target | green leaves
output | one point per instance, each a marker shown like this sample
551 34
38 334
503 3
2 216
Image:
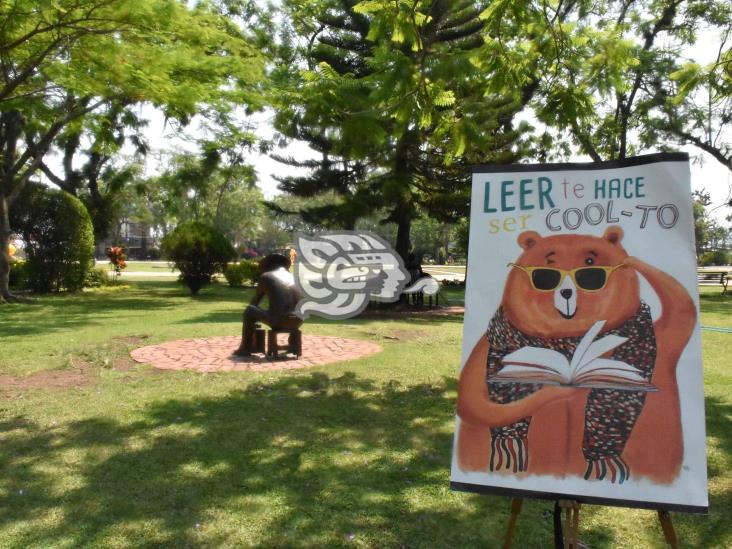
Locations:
67 61
398 97
591 76
157 50
689 76
444 98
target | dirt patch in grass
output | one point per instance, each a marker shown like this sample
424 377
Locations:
131 340
81 370
79 375
124 364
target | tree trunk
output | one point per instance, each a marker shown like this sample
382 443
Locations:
404 211
143 240
4 245
404 226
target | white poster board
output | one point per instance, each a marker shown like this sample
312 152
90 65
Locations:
581 365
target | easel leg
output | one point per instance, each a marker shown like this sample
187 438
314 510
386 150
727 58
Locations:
516 504
664 517
575 525
571 523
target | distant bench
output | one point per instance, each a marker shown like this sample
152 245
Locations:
713 278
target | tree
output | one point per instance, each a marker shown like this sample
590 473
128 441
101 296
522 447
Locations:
429 236
709 234
611 80
98 182
65 59
695 100
198 252
390 95
215 187
58 237
593 65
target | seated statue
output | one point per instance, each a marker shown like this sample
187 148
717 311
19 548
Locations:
277 283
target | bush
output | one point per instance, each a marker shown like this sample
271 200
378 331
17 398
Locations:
98 277
58 236
198 251
719 257
246 271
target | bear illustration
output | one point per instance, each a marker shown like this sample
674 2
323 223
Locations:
598 434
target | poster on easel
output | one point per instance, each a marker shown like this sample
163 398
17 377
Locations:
581 371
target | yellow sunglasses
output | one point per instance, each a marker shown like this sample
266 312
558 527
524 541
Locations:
589 279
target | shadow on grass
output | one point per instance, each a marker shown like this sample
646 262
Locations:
716 303
222 316
304 461
61 312
716 529
216 292
57 313
413 317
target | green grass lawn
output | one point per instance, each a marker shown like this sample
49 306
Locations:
444 268
354 454
149 267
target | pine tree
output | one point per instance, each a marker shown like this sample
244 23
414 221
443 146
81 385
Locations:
394 100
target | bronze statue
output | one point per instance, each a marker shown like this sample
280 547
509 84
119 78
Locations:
277 283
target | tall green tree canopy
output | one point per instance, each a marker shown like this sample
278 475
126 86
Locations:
611 77
391 96
63 60
694 97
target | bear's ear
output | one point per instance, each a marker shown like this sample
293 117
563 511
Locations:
527 239
613 234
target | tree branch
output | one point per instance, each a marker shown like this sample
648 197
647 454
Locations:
34 152
726 161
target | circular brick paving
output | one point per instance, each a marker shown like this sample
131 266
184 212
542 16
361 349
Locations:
214 354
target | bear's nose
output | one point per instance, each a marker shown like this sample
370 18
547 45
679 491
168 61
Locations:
566 293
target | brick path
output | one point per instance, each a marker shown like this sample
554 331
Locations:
214 354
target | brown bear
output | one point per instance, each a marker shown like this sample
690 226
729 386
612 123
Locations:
522 429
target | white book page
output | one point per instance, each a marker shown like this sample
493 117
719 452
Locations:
615 368
527 359
597 349
584 344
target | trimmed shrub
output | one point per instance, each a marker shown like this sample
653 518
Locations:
244 272
58 236
98 277
719 257
198 251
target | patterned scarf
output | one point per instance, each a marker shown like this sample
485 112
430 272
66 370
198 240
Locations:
610 414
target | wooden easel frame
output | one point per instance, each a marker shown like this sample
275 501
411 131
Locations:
570 539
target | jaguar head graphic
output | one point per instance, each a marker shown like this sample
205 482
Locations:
338 273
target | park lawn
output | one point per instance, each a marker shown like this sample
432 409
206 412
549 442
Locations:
353 454
147 266
436 270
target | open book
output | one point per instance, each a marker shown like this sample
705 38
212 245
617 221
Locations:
586 369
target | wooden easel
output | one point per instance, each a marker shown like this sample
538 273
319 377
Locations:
664 517
516 504
570 539
571 522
